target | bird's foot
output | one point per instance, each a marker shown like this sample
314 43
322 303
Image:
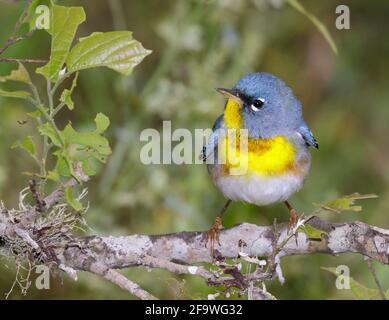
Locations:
213 235
294 218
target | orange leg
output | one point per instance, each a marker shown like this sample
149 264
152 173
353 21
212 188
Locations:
294 217
214 233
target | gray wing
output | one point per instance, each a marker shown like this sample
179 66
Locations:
213 140
307 135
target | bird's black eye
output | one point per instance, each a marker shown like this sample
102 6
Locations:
257 104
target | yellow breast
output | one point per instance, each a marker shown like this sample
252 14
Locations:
232 115
266 157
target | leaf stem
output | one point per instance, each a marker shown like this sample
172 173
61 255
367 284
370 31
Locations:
59 82
50 97
49 117
52 122
58 108
36 101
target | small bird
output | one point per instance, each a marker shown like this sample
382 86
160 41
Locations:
276 153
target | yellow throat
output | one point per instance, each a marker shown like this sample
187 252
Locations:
267 157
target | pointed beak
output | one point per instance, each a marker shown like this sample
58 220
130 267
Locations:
230 94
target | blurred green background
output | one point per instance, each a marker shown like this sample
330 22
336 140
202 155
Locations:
198 45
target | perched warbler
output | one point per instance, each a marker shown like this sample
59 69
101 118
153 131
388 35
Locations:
276 155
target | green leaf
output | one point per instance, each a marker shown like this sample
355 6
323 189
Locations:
360 291
71 200
346 203
20 74
78 147
53 175
34 114
102 122
64 22
32 15
62 167
87 167
15 94
48 130
311 232
117 50
27 144
92 141
318 24
65 164
363 293
66 96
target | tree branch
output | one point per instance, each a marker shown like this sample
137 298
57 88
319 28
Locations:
188 247
181 253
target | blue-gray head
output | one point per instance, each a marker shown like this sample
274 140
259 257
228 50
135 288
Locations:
269 107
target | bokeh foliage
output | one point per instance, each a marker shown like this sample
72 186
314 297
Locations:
198 45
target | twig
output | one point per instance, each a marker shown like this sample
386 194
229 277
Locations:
274 266
121 281
70 271
53 197
259 294
374 274
176 268
36 61
39 203
16 40
13 38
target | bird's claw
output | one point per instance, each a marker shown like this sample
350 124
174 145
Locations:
294 218
213 235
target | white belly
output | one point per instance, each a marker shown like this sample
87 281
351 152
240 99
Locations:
259 190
